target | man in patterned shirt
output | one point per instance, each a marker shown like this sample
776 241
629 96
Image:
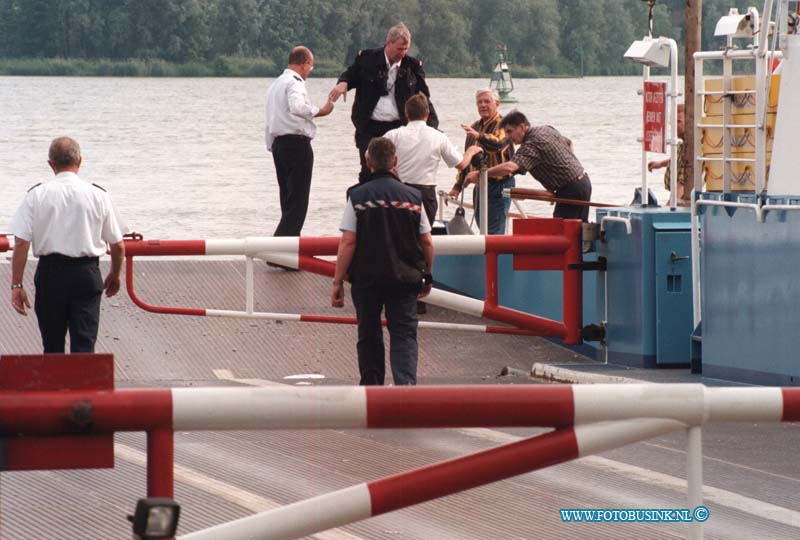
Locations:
548 156
487 133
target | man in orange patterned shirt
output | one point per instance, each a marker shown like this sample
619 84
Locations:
487 134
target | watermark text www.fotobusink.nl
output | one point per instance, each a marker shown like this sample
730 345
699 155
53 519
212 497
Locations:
634 515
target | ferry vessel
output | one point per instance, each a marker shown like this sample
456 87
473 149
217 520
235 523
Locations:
178 408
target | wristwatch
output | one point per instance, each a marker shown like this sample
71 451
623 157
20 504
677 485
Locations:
338 282
16 286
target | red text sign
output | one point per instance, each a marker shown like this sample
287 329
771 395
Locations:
654 116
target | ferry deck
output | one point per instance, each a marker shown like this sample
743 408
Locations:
751 473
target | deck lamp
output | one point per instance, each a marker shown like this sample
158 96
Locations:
660 52
155 518
736 25
652 52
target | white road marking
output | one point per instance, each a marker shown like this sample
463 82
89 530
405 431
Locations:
714 495
228 492
227 375
725 462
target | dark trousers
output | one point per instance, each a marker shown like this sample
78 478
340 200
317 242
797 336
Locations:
580 190
498 205
374 129
68 293
429 201
294 161
401 319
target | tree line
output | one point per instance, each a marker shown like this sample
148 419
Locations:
452 37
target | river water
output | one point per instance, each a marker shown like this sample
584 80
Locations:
185 158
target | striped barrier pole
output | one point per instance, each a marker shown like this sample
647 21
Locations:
5 243
358 407
303 253
372 499
589 419
299 317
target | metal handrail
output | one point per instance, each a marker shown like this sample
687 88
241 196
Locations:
617 219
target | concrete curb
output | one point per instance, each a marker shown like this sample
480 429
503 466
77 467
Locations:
555 373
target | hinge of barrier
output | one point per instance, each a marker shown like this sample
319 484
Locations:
43 373
593 332
599 265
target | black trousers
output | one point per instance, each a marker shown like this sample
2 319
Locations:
294 162
68 293
401 319
580 190
374 129
429 201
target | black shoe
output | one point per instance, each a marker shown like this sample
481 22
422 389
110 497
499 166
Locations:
282 267
422 308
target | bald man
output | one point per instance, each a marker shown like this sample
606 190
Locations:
289 130
69 222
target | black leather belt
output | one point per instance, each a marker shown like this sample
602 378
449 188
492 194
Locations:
293 136
64 259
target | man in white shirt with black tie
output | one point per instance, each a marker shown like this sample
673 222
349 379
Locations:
289 130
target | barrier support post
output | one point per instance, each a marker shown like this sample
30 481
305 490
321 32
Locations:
160 459
573 283
491 279
249 285
694 477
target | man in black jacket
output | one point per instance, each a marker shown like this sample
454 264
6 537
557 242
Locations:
387 251
384 79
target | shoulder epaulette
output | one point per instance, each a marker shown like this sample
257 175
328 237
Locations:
34 186
297 78
101 188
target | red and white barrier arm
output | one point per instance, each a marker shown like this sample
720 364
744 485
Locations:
469 406
406 489
434 481
589 420
303 253
299 317
358 407
5 243
327 246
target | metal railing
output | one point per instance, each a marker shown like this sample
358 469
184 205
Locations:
586 420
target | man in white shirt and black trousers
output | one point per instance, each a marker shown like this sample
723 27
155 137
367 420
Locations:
420 148
289 130
69 222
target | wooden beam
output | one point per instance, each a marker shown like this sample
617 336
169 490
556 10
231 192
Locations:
694 19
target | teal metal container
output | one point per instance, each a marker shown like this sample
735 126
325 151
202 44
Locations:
648 285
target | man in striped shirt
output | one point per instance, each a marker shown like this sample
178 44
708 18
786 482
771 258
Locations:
487 133
548 156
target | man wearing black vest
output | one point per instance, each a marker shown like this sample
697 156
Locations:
384 79
386 250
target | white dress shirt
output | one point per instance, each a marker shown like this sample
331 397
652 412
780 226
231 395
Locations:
419 150
289 111
386 108
69 216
